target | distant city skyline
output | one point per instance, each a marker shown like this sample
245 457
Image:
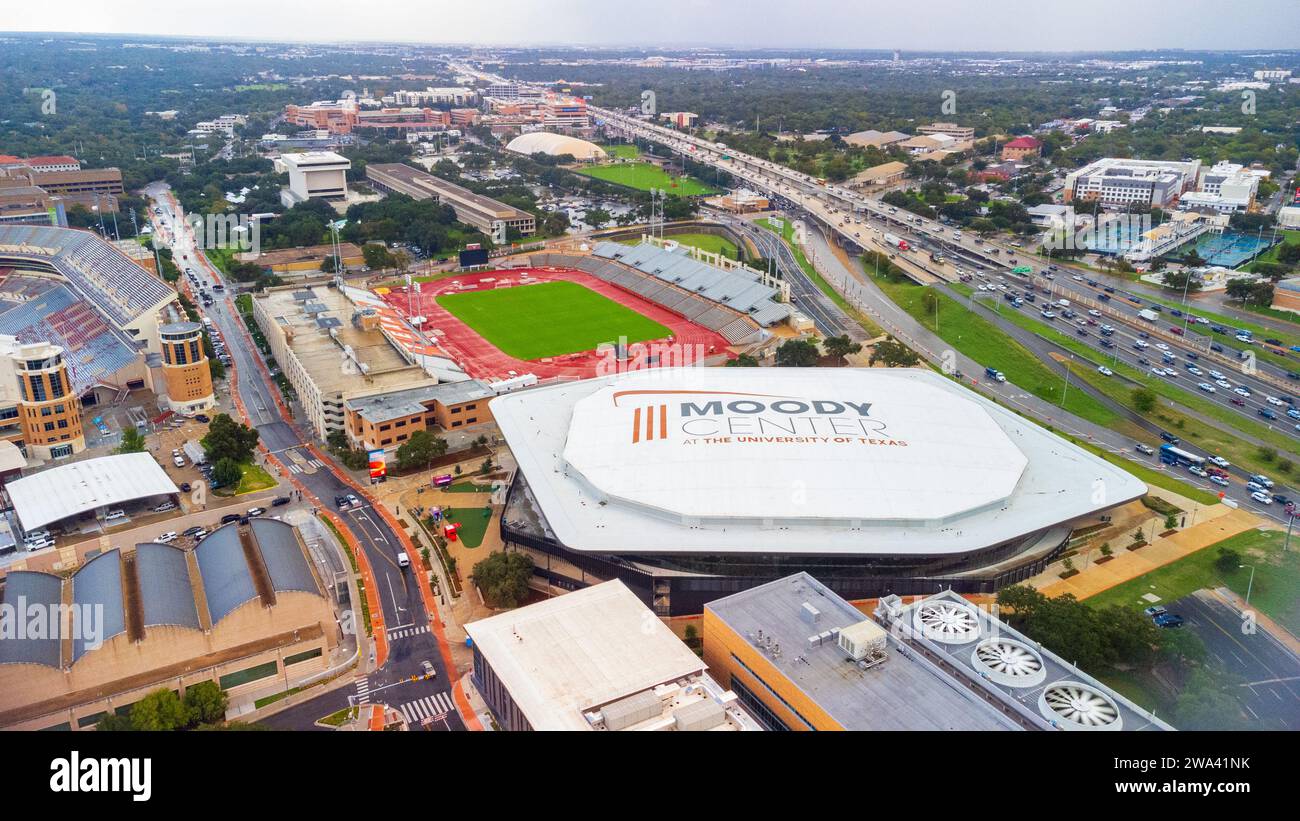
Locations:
946 25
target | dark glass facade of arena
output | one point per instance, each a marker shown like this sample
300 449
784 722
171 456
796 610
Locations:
715 576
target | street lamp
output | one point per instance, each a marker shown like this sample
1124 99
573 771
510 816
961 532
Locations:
1250 584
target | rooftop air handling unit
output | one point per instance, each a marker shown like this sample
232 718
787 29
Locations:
946 621
1072 705
1008 662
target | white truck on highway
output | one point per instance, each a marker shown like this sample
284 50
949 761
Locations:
1148 314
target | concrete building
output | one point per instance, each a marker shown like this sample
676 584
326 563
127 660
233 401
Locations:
1289 216
1022 148
1225 187
1115 182
680 119
1286 295
957 132
331 350
883 174
799 657
186 371
91 188
483 213
876 139
22 201
305 260
386 421
43 164
595 659
48 409
314 174
246 609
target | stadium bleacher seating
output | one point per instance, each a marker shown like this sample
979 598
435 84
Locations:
731 303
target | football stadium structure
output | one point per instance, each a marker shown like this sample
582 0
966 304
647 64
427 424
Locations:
92 323
694 482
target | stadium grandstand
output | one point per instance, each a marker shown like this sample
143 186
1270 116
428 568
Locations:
121 290
731 302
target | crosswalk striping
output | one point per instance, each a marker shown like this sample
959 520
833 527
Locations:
363 691
436 704
403 632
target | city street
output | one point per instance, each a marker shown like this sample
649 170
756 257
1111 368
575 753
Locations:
411 642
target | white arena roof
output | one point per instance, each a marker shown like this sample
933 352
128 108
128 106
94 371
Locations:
80 487
816 460
555 145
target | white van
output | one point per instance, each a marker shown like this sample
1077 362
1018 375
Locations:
114 514
403 560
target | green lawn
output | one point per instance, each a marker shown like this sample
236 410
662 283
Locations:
622 151
549 319
252 479
1277 577
643 176
705 242
473 523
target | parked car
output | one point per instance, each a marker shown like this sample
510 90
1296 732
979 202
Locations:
191 531
113 515
278 501
230 517
256 511
1169 620
166 538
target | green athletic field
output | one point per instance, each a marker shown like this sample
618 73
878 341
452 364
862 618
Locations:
549 319
643 176
623 151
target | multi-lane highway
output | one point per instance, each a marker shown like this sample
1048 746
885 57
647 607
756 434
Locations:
401 680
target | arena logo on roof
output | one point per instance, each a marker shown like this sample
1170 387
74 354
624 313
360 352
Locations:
750 417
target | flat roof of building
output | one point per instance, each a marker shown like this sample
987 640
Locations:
577 652
450 191
900 694
80 487
399 404
308 159
323 354
852 461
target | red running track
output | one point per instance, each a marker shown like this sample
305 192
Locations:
482 360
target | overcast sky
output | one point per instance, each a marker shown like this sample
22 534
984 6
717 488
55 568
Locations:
947 25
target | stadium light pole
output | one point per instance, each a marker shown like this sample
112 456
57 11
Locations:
1250 585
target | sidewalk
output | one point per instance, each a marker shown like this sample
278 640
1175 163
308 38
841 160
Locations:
1278 631
1129 564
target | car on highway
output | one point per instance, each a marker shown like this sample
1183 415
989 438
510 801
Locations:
1266 413
1147 449
1197 470
1207 387
1216 347
1262 479
1273 400
1162 346
1219 480
1048 314
1222 383
1105 371
1242 392
1106 343
1238 401
1094 312
1293 413
1219 461
1169 437
1195 371
1141 343
1217 375
1281 500
1262 497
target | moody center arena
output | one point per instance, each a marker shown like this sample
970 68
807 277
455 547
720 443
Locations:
691 483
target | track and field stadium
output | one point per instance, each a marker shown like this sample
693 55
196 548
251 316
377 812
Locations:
551 322
690 483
